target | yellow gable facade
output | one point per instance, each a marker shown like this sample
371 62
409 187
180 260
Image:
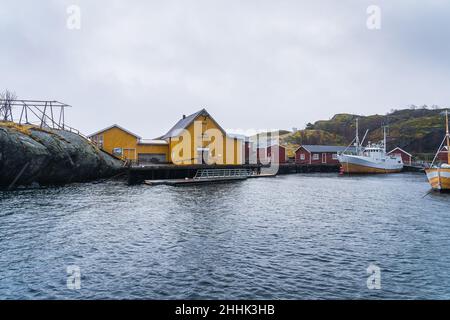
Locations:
199 139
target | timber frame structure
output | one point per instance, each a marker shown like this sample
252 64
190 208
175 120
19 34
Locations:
43 113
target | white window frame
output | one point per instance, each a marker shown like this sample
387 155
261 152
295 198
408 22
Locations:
119 154
315 156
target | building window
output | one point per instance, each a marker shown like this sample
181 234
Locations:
334 156
118 152
315 156
98 140
302 156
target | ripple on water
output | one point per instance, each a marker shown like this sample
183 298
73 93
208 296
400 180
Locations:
291 237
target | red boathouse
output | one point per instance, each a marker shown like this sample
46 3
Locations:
406 156
318 154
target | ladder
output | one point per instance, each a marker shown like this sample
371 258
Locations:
221 173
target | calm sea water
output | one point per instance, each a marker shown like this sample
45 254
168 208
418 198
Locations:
290 237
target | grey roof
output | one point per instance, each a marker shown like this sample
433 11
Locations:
264 145
398 148
184 123
152 142
319 148
237 136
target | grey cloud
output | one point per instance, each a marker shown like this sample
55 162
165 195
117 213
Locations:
253 64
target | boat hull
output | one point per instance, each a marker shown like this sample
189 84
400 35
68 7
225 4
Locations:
355 168
439 178
358 164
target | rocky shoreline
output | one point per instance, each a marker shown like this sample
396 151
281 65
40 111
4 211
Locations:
30 155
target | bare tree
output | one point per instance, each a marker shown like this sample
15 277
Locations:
6 99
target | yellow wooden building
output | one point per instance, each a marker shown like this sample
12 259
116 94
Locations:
129 146
194 139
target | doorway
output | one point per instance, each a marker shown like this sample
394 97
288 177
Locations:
203 155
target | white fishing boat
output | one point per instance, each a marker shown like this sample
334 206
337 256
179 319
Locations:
439 174
370 159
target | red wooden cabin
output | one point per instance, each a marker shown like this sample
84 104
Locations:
318 154
406 157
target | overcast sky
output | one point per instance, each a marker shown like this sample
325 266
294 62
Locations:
252 64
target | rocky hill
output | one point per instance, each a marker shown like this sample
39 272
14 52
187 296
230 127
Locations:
31 155
417 130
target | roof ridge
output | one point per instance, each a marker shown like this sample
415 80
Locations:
184 122
323 148
114 126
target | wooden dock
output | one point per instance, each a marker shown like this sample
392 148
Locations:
262 175
412 168
162 172
138 174
291 168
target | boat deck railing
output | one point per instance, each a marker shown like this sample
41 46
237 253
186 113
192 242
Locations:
221 173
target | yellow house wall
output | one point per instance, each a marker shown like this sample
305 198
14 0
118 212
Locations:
217 142
238 146
153 148
117 138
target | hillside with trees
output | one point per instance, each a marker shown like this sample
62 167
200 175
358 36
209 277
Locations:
417 130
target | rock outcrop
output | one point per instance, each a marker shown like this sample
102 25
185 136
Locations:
30 155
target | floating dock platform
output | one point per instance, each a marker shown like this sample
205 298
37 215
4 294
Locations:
291 168
208 176
139 174
191 181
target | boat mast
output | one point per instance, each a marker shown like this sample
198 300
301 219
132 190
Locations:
448 136
384 139
357 136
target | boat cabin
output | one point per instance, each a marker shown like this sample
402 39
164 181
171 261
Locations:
373 152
